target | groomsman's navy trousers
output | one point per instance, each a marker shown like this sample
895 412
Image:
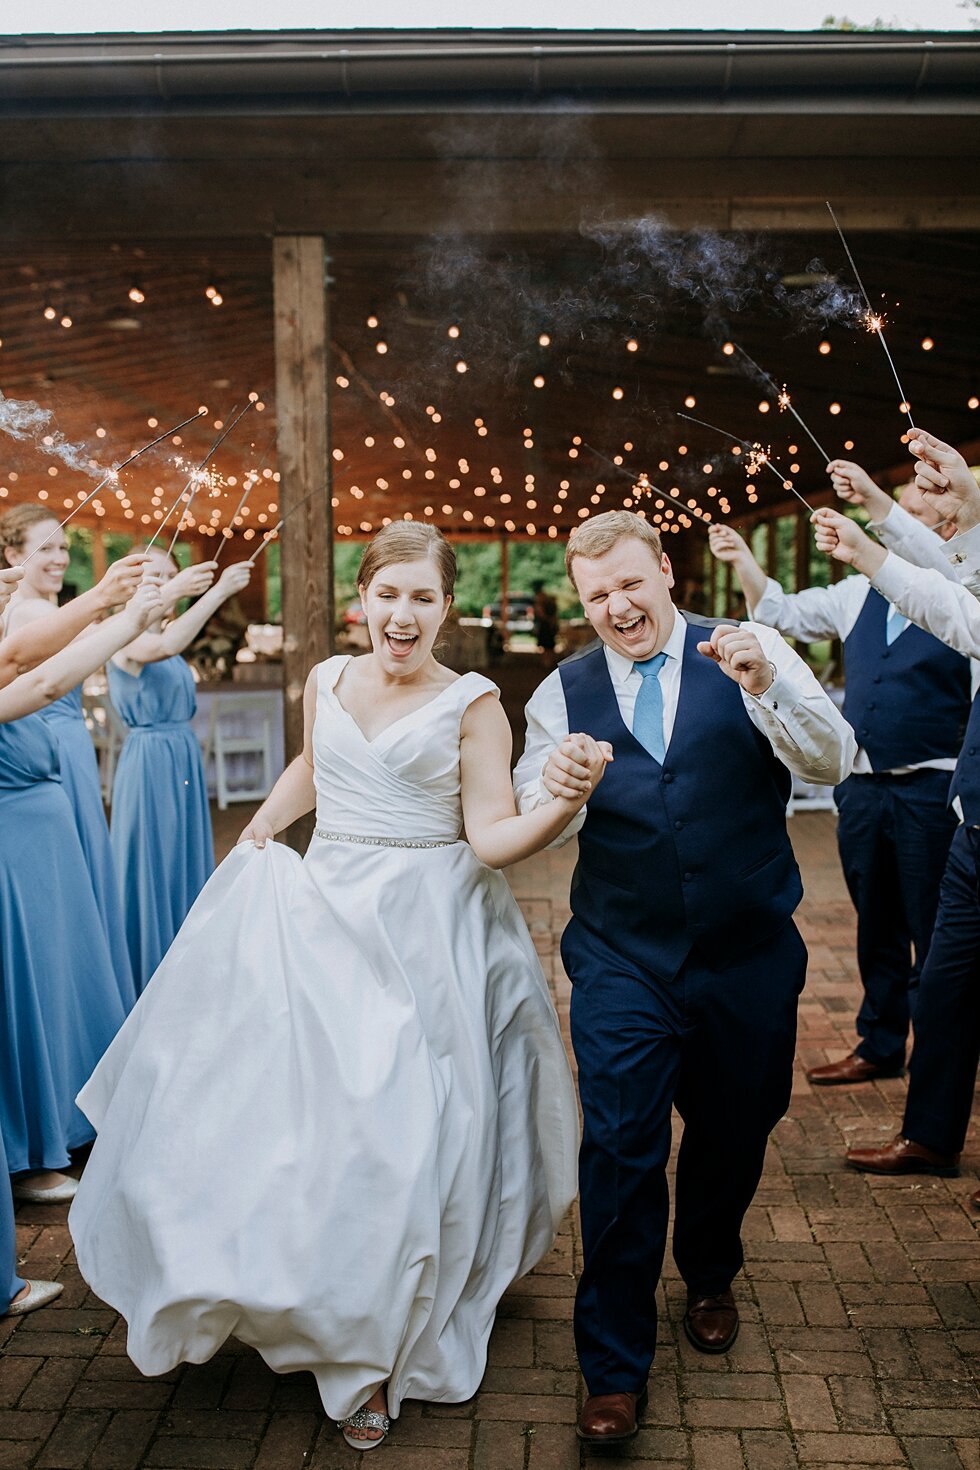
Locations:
946 1049
718 1044
893 834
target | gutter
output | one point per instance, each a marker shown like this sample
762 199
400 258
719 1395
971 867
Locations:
94 74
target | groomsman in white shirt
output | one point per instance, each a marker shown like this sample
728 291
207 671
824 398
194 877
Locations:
685 963
907 696
938 590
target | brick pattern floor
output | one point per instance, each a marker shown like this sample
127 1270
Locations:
860 1307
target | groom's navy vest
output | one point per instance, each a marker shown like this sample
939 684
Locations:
966 777
908 701
693 852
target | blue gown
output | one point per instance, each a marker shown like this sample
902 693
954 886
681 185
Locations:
59 1000
80 778
161 825
10 1282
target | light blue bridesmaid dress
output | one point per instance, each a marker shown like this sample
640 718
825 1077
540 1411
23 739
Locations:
80 779
10 1282
161 825
59 1000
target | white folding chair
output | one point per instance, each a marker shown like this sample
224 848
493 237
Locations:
108 733
241 725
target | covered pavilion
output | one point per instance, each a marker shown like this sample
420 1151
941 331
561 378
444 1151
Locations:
474 277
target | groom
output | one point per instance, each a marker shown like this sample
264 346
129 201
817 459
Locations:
684 959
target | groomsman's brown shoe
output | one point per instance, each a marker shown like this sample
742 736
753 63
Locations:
609 1418
849 1070
902 1156
973 1200
711 1322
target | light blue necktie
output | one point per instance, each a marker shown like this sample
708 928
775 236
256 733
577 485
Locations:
895 623
648 712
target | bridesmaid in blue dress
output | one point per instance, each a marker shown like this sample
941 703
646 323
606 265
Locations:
14 1291
60 1004
26 527
161 824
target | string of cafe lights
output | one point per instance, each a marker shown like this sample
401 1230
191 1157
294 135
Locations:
533 507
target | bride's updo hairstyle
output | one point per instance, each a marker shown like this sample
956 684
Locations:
403 541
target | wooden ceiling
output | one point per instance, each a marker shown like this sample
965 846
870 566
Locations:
484 452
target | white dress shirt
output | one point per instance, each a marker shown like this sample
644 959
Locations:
958 558
801 723
831 612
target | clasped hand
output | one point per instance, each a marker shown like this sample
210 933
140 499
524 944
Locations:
575 767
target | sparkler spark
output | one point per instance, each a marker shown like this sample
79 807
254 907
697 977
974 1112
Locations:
873 321
757 460
763 463
641 484
784 401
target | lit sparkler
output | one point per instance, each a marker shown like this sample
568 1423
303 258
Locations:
785 402
641 484
873 321
762 460
194 483
111 477
251 480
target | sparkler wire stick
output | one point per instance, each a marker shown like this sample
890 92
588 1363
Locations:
197 471
251 480
748 444
200 479
112 475
784 401
874 321
636 476
270 536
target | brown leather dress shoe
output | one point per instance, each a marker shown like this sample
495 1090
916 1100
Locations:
902 1156
711 1322
608 1418
973 1200
849 1069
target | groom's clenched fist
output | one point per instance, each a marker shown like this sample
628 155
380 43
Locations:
575 767
740 655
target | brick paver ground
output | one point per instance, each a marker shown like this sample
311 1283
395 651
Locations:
860 1307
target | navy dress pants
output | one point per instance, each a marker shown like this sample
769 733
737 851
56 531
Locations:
893 834
717 1043
946 1049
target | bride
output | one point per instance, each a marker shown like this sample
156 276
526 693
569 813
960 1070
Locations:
340 1122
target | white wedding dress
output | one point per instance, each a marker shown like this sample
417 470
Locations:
340 1121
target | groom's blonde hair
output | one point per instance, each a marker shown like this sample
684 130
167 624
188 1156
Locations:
599 534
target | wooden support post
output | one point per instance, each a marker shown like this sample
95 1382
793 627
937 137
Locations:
299 265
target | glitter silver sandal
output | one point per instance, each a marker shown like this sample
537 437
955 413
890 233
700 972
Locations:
365 1419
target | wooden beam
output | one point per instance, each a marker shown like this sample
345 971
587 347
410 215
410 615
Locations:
245 197
299 265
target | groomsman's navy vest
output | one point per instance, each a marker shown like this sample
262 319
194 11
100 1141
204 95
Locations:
693 852
966 777
908 701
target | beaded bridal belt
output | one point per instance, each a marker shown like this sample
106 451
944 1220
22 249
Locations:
379 841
